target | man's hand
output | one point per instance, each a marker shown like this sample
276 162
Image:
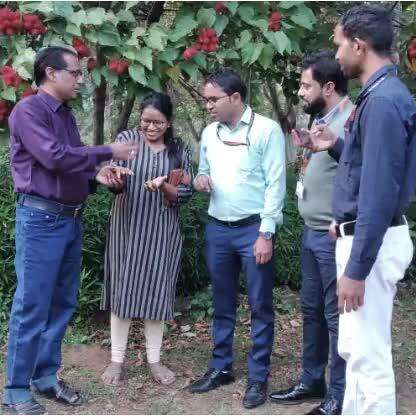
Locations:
203 183
263 250
301 138
322 138
112 176
350 294
124 151
332 231
156 183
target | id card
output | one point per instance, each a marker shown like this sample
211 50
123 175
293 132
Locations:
300 190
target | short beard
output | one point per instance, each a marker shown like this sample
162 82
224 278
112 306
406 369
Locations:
315 107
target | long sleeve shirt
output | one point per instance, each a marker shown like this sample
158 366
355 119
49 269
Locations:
376 177
48 158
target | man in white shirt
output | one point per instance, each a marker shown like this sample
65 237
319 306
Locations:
242 166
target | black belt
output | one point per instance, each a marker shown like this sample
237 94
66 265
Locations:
49 206
252 219
348 228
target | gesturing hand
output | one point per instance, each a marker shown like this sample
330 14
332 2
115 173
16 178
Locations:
112 176
203 183
322 138
124 151
350 294
156 183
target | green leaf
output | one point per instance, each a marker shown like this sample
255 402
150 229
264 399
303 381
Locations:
304 17
266 56
91 36
232 6
191 69
145 57
154 83
137 73
250 52
261 23
201 60
231 54
58 25
96 76
169 55
78 18
137 32
206 17
130 4
111 77
183 25
286 25
9 94
246 13
23 63
287 4
19 42
220 24
96 16
73 29
245 37
131 53
126 16
156 38
174 73
62 8
279 40
44 7
108 35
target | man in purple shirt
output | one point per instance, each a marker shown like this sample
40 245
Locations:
52 173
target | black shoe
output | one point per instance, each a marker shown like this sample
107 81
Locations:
256 394
212 379
299 393
330 406
31 407
61 393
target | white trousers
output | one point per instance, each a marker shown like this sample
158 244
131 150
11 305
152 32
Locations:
365 335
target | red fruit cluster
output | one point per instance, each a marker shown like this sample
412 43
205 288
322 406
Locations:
28 92
118 66
33 25
10 22
82 49
191 51
4 110
275 22
91 64
220 7
411 50
10 77
208 40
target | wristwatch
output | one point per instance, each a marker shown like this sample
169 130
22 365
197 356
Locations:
267 235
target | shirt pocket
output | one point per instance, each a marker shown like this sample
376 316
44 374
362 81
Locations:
250 161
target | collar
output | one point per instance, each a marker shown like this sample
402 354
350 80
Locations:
376 76
50 101
334 111
245 118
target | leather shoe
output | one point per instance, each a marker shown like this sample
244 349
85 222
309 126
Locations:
212 379
30 407
61 393
299 393
330 406
256 394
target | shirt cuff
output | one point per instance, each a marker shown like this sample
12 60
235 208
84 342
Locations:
336 150
268 225
356 270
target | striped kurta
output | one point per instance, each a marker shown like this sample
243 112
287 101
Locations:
144 241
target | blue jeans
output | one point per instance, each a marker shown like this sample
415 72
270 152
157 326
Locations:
47 262
227 251
320 312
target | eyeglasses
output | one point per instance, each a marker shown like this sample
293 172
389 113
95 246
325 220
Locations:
157 123
213 100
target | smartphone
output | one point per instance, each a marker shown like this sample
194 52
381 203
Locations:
303 136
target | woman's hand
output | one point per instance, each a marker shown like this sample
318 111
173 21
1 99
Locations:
155 184
113 176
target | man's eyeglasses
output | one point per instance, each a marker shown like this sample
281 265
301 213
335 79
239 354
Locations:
74 72
213 100
157 123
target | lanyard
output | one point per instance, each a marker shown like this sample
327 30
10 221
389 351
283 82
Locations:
246 141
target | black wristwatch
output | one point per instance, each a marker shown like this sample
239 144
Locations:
267 235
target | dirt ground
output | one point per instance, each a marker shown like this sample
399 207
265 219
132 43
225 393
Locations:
187 351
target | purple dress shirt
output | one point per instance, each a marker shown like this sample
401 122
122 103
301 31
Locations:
47 156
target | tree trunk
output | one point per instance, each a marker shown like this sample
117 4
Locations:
125 113
99 106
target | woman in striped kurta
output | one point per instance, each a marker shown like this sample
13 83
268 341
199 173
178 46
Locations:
144 240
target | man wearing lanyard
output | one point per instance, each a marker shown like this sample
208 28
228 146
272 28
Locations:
242 166
375 181
52 172
323 87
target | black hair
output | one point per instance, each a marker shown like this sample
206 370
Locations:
325 68
163 103
52 56
372 24
229 81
